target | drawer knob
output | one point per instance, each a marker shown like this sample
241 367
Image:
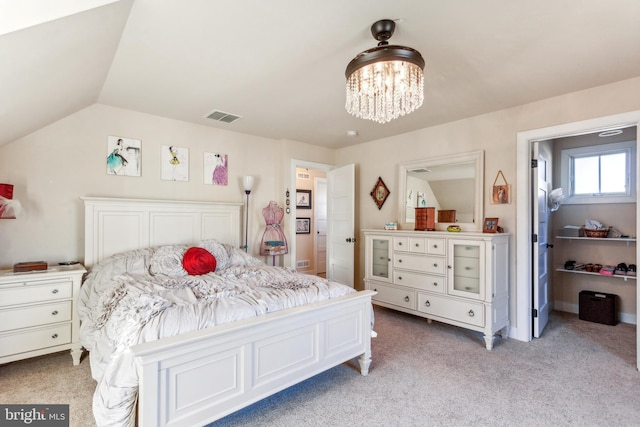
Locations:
54 336
406 299
399 277
471 313
54 313
427 303
399 243
467 268
435 264
399 260
435 246
435 283
417 245
55 291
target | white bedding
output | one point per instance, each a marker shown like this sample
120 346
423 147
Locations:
122 304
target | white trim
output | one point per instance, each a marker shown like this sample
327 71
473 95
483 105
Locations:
523 321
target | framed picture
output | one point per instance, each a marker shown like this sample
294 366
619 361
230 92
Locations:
501 193
215 169
303 199
380 193
303 225
123 156
490 225
175 163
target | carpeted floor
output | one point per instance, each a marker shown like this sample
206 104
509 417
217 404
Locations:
578 374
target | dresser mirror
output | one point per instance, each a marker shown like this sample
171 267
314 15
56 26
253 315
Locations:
452 184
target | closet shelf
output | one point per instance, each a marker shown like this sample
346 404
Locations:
615 276
611 239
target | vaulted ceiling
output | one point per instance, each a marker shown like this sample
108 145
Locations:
279 64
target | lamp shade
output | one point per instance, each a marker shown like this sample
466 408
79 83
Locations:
247 181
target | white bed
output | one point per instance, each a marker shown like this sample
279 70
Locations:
198 377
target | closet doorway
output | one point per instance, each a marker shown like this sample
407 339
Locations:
525 270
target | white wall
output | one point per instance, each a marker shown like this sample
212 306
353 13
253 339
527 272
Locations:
496 134
55 166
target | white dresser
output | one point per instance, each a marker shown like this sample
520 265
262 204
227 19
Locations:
456 278
38 312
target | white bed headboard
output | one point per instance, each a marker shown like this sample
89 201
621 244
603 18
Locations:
114 225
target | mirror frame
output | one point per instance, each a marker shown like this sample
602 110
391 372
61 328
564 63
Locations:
475 157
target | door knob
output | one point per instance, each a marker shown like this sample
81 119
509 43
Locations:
549 245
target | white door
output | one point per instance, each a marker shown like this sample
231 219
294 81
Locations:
340 224
541 183
320 219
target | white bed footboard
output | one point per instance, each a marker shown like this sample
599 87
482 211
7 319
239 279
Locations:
197 378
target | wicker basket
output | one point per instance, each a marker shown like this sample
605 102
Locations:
596 233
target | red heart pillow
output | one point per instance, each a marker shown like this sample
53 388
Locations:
197 261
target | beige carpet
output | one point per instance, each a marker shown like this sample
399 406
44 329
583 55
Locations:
578 374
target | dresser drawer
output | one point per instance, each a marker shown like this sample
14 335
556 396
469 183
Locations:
401 244
461 311
418 280
33 292
35 339
390 295
423 263
436 246
34 315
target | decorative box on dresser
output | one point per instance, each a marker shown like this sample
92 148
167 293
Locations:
456 278
38 313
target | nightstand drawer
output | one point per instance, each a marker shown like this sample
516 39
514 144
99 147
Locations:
35 339
33 292
34 315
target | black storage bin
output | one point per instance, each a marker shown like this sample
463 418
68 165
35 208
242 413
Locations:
598 307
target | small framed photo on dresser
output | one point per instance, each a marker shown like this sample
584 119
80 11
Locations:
490 225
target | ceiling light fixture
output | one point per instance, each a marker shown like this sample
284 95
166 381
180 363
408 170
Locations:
612 132
385 82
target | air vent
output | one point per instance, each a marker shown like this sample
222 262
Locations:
420 170
302 264
221 116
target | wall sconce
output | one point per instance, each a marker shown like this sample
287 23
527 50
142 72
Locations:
247 182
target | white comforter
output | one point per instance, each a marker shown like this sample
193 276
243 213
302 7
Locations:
121 304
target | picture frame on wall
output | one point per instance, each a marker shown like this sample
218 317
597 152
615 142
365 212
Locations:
303 225
303 199
123 156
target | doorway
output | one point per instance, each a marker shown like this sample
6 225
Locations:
522 330
310 247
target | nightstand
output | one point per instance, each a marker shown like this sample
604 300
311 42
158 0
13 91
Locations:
38 313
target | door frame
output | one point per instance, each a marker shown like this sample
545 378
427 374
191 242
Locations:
292 224
523 321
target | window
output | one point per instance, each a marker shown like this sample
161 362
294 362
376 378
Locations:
600 173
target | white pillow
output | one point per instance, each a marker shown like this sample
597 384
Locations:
167 260
219 252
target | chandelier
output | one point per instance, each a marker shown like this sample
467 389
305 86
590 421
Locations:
385 82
